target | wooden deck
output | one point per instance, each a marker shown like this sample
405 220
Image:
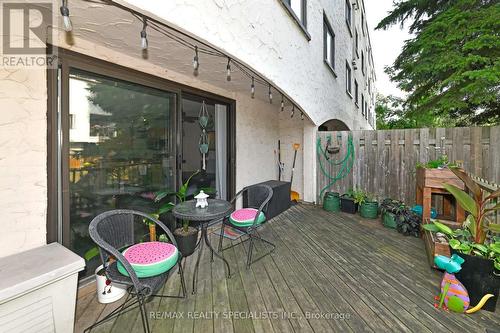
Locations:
331 272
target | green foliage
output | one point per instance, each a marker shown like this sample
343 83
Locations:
473 237
359 196
451 68
434 164
181 195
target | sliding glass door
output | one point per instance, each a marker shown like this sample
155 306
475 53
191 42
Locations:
211 164
116 136
121 150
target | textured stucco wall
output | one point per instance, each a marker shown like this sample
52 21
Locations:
23 157
259 124
262 34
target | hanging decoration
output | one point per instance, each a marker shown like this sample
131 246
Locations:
203 118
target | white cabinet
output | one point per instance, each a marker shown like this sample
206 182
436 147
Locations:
38 290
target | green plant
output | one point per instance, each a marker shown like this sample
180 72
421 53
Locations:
181 195
434 164
472 238
361 196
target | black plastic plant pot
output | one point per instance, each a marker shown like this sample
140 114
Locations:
186 241
478 277
347 205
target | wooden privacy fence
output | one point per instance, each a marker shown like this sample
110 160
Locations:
385 161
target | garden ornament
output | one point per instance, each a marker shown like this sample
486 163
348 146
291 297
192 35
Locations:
201 199
453 294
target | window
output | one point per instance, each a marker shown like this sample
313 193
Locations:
328 44
366 110
357 42
363 62
363 22
348 78
356 92
362 104
348 14
71 121
298 10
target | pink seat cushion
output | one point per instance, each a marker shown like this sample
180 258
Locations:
150 258
245 217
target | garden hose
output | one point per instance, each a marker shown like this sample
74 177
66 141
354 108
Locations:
345 163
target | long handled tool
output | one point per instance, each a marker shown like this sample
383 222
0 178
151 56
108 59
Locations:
294 195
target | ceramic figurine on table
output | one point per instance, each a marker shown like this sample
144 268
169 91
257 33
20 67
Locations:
201 199
453 294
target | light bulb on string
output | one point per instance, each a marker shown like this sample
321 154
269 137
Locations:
270 95
301 115
252 87
293 111
228 69
196 61
282 103
65 14
144 36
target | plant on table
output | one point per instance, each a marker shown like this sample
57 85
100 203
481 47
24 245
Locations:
186 236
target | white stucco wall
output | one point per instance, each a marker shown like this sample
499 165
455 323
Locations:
262 34
23 159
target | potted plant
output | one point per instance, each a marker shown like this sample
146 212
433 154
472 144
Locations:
474 242
389 209
347 203
107 291
186 236
368 205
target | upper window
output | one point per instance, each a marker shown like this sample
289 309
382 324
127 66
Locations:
366 110
362 104
328 44
363 62
357 42
363 23
298 9
348 13
356 92
348 78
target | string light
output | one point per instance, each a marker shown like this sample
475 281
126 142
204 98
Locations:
282 103
252 87
228 70
293 111
301 115
196 62
270 95
65 14
144 35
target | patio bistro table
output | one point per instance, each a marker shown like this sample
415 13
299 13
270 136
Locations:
216 210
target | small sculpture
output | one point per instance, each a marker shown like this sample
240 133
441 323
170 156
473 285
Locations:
453 294
201 199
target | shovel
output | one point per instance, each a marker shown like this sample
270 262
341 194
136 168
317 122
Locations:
294 196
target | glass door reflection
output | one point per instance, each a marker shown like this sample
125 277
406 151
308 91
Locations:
121 150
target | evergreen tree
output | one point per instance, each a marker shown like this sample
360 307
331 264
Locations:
451 68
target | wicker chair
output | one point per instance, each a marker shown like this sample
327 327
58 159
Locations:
259 196
115 230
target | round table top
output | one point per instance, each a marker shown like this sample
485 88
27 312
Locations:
216 209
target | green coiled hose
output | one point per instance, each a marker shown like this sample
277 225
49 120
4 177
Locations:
345 163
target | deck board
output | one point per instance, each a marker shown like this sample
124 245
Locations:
324 263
